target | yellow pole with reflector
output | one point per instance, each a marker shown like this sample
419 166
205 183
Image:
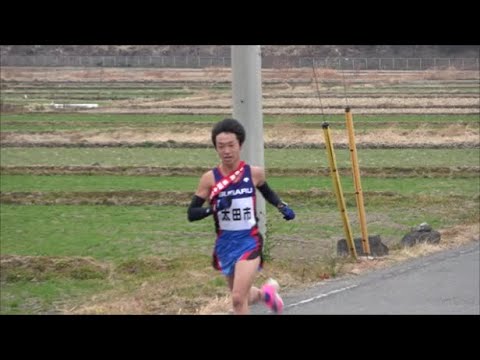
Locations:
356 181
338 191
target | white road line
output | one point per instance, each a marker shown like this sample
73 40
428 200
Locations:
320 296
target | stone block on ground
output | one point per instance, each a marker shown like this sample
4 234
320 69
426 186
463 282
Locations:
377 248
421 234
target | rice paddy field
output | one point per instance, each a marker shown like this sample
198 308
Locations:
93 201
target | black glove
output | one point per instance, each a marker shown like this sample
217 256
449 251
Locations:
224 203
288 214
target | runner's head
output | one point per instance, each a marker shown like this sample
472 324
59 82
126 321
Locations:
228 136
228 126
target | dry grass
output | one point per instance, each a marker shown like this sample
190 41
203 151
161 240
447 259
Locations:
105 74
167 296
450 73
125 198
276 82
450 238
398 172
216 101
138 305
285 134
37 268
182 292
183 289
226 111
218 306
146 299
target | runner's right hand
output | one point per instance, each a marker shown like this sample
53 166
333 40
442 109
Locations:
224 203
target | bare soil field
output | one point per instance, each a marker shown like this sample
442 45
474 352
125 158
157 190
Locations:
214 74
286 91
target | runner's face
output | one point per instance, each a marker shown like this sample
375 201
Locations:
228 148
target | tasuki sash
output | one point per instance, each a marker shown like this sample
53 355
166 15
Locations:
227 180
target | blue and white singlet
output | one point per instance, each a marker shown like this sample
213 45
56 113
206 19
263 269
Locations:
238 237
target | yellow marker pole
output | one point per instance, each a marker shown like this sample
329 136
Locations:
356 181
338 190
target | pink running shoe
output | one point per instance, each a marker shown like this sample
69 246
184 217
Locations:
271 297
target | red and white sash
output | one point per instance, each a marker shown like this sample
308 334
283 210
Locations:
227 180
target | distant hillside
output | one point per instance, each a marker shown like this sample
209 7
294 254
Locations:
401 51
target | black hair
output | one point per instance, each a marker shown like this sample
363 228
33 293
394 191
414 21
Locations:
229 126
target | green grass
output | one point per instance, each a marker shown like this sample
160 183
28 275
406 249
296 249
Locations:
287 158
112 233
123 235
27 297
97 183
118 233
94 92
73 95
39 122
361 128
98 118
319 220
405 186
172 118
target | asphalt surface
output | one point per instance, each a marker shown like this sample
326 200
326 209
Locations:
447 282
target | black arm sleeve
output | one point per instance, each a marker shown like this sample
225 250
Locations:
196 211
269 194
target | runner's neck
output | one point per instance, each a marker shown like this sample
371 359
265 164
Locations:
228 169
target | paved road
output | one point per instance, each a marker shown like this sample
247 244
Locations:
442 283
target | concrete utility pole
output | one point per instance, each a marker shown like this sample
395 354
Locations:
247 108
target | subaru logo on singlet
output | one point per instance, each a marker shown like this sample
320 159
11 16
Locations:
236 192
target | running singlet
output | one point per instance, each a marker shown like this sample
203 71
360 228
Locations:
241 214
238 237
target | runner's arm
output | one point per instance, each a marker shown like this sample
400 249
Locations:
269 195
261 184
259 179
195 210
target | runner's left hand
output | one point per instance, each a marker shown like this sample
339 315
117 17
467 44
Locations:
288 214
